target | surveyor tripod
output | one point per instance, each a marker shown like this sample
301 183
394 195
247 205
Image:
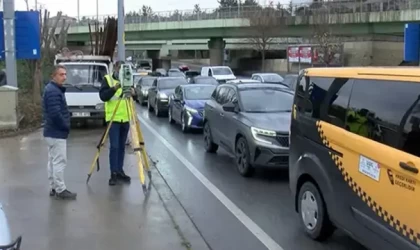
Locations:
137 141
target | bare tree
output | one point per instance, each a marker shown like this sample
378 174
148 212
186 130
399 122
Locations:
328 46
264 25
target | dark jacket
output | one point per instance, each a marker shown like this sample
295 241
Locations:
106 92
56 113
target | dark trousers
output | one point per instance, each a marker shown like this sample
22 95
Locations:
117 137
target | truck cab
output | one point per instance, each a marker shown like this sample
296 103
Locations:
84 77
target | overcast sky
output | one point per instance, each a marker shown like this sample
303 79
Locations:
88 7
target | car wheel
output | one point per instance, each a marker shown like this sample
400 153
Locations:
210 146
242 157
171 120
184 125
149 107
313 213
157 112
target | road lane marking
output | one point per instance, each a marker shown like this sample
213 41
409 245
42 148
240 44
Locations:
235 210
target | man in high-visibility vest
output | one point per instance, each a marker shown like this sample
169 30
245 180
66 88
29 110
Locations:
110 92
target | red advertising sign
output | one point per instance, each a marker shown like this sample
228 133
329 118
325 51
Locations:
293 54
305 54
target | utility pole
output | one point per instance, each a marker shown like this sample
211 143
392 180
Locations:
121 27
78 10
97 11
36 5
9 41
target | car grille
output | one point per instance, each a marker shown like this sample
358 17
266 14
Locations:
283 140
279 160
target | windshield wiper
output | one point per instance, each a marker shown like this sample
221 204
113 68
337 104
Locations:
75 86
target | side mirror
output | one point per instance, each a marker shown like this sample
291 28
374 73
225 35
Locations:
230 107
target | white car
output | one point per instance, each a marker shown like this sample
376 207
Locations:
238 81
5 237
268 77
221 73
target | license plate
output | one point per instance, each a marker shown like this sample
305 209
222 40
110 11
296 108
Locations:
81 114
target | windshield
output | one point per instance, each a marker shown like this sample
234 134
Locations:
136 78
272 78
176 74
171 83
222 71
85 74
147 82
199 92
192 73
265 100
206 81
290 81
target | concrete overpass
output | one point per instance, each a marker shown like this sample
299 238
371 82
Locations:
358 22
202 44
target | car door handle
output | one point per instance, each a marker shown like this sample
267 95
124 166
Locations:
221 114
407 167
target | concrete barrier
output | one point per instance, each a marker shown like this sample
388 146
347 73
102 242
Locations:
8 107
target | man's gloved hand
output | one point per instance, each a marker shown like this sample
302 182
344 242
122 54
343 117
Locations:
133 91
117 86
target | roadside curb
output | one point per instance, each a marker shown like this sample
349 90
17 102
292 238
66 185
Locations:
14 133
189 233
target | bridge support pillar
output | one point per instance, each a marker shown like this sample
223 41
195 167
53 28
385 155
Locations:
159 60
216 49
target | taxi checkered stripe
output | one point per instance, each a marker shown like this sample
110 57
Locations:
387 217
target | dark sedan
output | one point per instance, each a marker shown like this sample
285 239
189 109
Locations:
251 121
176 74
186 105
159 92
142 88
191 74
204 80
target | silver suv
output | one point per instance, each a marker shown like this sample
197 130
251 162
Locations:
252 122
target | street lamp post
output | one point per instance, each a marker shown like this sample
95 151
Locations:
78 10
9 41
121 46
97 11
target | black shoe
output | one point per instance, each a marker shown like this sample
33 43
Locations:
123 177
52 192
113 179
66 195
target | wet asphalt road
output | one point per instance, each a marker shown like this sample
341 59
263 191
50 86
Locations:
264 198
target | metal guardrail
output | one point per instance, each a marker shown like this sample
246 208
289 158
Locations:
302 9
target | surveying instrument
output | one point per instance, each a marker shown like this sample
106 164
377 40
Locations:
137 141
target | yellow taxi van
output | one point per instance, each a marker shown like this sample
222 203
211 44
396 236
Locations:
355 154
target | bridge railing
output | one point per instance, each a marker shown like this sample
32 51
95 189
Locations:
302 9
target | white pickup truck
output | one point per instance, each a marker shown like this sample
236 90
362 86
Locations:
84 76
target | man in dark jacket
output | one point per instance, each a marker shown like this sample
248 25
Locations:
110 92
56 131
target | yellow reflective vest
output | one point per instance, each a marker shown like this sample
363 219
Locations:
123 113
360 125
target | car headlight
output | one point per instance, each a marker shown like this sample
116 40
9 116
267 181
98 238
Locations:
100 106
259 134
163 96
144 92
191 110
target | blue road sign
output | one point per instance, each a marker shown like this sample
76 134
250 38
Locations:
27 35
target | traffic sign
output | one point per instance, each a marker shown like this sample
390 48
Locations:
27 35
